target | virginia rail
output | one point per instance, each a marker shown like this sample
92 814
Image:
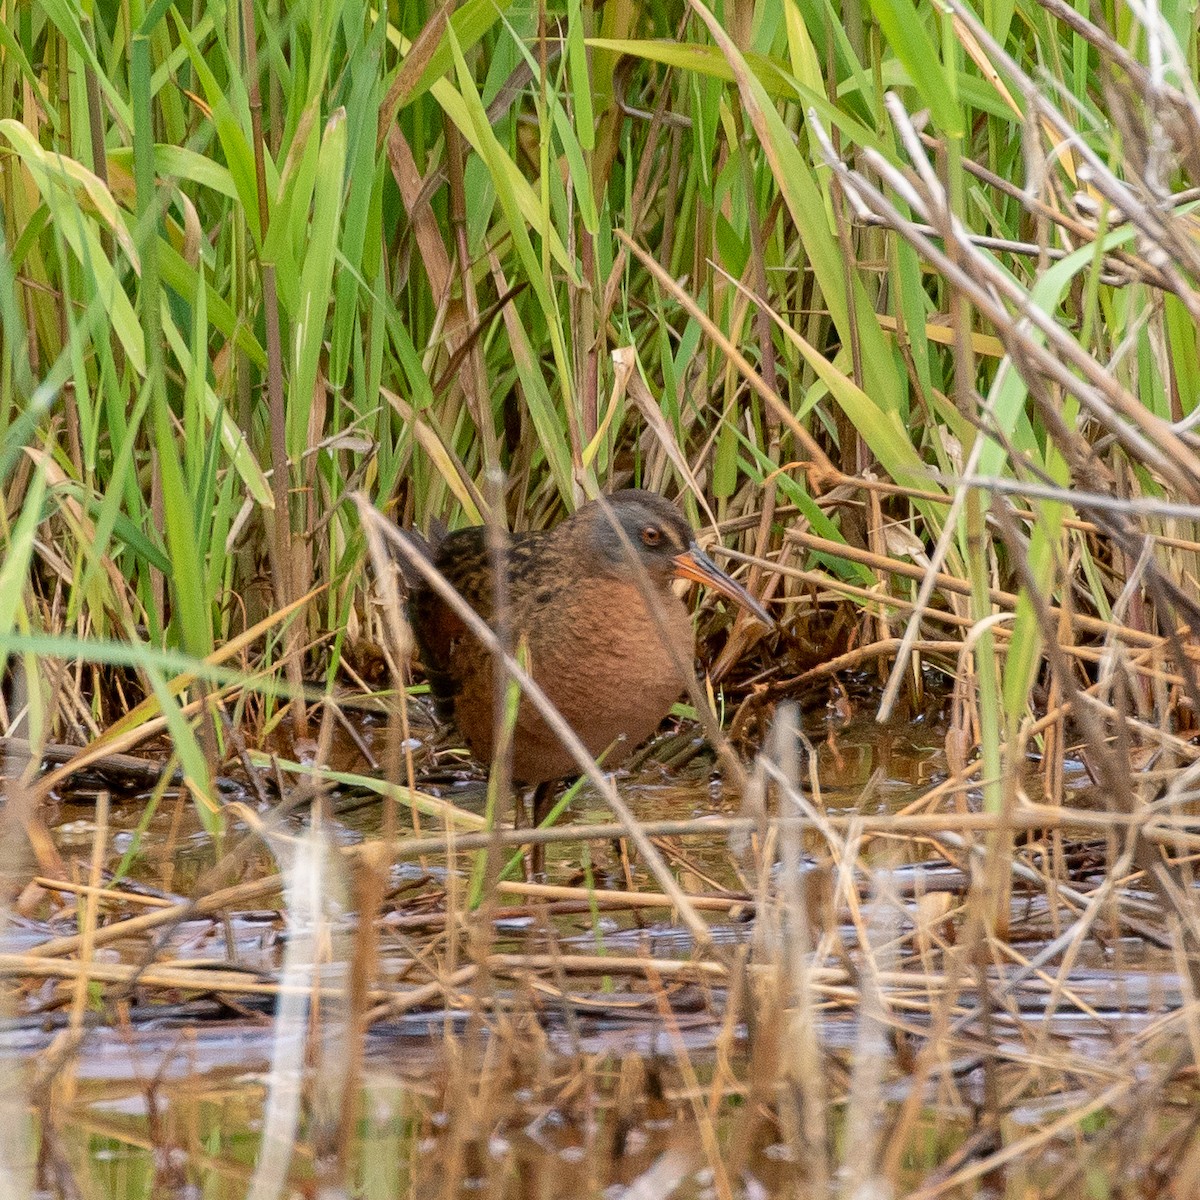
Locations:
579 596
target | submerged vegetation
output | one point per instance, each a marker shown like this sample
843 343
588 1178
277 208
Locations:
900 300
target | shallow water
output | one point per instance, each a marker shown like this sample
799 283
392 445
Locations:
564 1079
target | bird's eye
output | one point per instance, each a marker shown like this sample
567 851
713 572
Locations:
651 535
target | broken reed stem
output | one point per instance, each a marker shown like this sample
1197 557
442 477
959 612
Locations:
1162 829
838 980
906 991
112 895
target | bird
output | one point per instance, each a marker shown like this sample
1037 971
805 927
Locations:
606 637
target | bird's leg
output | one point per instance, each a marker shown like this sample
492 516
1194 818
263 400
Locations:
543 802
525 808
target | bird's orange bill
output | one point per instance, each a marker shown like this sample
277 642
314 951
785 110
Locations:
693 563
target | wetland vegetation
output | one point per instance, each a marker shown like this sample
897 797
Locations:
898 301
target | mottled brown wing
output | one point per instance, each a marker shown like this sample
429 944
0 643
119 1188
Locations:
462 558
